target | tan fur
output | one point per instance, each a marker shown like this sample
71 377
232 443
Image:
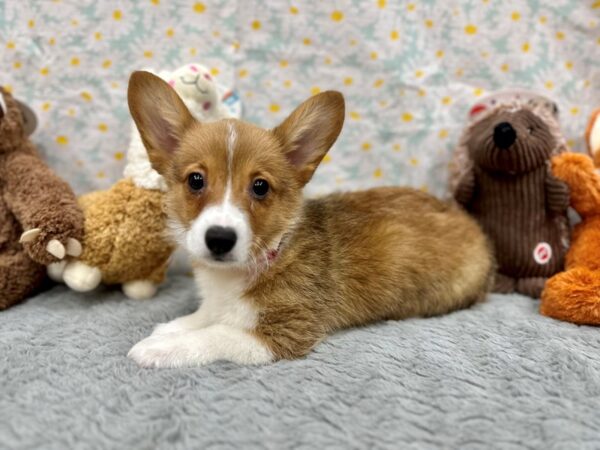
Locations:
124 233
345 259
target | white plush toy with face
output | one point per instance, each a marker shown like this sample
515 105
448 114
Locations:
207 100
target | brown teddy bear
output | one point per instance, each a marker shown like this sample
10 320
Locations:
507 185
40 221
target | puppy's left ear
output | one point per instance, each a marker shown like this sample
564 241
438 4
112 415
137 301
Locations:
310 131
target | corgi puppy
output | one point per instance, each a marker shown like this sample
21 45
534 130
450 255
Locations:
277 273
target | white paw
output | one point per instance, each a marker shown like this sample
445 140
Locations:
139 289
55 270
175 326
172 350
81 277
199 347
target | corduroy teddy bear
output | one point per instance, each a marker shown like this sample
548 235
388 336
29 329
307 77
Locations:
506 184
574 295
40 221
126 238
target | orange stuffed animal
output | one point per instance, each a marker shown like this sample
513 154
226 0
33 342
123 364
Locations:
574 295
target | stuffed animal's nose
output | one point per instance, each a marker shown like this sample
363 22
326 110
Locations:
504 135
220 240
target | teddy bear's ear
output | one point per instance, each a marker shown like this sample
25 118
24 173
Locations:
2 106
29 118
160 115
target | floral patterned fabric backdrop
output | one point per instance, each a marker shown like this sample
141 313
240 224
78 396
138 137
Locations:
409 70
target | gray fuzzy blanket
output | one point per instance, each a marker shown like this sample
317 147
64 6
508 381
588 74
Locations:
496 376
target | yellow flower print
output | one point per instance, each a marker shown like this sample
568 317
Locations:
337 16
378 83
471 29
62 140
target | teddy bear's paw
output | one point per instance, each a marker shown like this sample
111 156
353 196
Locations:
54 247
81 277
139 289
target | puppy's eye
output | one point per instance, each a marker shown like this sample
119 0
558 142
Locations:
196 181
260 188
530 130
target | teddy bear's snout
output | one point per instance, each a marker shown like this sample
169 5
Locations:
504 135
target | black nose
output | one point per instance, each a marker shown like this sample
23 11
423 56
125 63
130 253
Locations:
504 135
220 240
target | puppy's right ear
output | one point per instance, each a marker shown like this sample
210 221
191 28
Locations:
160 115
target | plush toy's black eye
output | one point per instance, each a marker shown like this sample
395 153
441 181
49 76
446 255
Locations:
196 181
260 188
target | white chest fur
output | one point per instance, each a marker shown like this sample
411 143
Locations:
223 302
222 328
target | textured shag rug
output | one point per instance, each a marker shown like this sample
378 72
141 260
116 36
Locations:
497 376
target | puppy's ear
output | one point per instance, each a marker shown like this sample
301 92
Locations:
310 131
160 115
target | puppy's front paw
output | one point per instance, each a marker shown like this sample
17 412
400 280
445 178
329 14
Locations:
172 350
175 326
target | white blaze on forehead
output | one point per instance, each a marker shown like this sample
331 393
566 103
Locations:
231 141
224 214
